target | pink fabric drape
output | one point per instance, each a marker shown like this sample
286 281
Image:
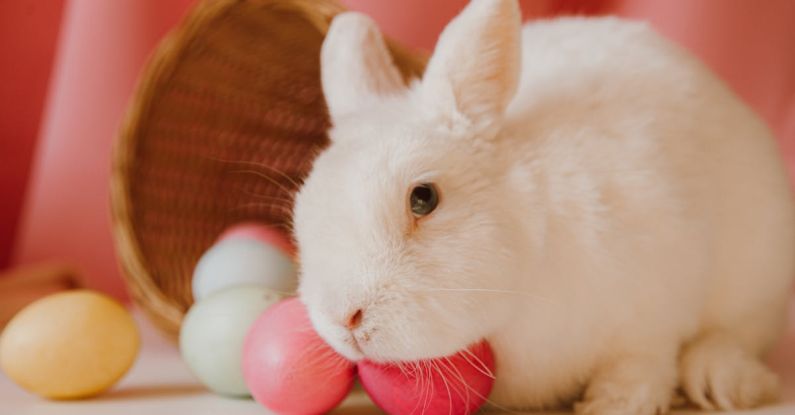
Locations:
101 48
25 71
103 44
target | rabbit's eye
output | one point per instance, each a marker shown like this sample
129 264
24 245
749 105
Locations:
424 199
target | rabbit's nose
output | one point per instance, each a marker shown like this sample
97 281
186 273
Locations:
354 319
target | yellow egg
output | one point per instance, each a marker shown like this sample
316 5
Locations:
69 345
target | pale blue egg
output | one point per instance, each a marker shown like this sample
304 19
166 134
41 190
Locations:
239 261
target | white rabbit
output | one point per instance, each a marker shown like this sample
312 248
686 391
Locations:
580 192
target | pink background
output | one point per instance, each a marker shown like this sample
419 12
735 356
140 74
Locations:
69 68
25 70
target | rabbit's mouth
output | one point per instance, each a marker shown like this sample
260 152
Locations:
353 341
351 347
360 340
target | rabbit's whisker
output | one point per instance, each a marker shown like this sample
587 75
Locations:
255 164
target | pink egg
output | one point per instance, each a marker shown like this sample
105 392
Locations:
458 384
288 368
262 233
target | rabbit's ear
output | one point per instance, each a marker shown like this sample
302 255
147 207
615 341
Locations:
474 71
356 66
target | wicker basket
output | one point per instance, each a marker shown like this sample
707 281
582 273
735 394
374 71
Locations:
224 125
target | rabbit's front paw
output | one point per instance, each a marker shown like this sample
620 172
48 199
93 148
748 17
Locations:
718 374
631 386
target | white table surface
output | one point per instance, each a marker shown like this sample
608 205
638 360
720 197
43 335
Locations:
161 384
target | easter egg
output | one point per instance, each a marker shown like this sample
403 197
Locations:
262 233
240 261
288 368
458 384
212 334
69 345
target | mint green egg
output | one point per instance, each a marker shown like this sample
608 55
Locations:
213 332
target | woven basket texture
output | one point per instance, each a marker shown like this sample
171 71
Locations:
226 120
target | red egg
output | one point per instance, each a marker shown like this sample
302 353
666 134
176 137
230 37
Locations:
288 368
262 233
456 385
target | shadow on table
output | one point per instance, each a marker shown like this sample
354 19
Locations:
151 392
363 408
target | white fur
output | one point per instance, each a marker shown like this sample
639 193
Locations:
623 226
